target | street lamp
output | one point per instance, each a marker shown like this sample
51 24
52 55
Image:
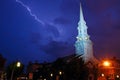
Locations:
60 72
117 76
18 64
102 75
106 63
51 75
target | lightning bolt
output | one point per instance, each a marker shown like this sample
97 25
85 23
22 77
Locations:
30 12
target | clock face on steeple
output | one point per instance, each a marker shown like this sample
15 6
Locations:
82 38
79 38
87 38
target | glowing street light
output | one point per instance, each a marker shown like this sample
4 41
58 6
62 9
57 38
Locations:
18 64
60 73
106 63
51 75
117 76
102 75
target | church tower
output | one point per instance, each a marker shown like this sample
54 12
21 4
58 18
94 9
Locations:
83 45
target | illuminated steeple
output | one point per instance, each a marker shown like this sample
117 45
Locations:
83 44
81 14
82 27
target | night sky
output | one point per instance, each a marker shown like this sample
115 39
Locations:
44 30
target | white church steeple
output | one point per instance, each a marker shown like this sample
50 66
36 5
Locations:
82 27
81 13
83 44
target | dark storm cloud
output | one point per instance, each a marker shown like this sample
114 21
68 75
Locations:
52 30
117 27
55 48
62 20
70 6
99 6
46 34
35 38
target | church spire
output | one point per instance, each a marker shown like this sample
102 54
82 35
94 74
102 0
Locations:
83 44
81 13
82 27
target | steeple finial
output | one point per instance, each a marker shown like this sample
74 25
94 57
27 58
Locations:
81 13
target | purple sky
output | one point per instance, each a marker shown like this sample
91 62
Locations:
44 30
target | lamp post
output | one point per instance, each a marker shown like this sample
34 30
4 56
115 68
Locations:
18 64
